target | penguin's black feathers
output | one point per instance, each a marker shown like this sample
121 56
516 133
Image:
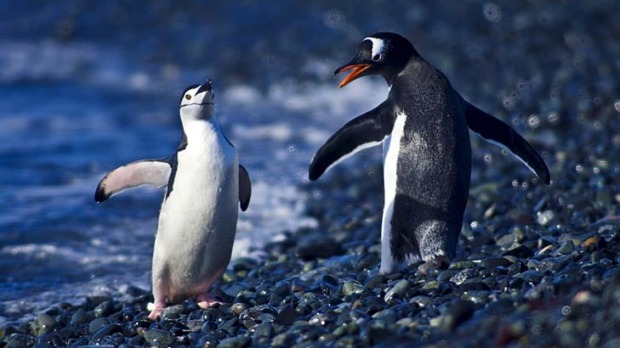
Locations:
496 131
369 128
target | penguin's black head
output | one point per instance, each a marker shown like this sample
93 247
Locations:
384 54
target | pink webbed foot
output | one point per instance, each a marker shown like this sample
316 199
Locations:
206 300
157 308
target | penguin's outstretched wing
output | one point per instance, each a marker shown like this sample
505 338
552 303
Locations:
364 131
245 188
499 133
145 172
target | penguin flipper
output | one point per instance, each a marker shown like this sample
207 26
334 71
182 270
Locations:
364 131
499 133
144 172
245 188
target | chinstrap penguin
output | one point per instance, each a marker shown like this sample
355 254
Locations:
198 219
423 126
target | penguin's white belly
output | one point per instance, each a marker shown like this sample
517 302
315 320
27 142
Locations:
391 151
197 222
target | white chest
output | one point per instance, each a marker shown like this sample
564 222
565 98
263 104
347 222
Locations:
391 150
204 194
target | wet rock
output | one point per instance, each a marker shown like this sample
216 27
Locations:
43 324
263 333
351 287
173 312
235 342
521 252
104 309
462 276
422 301
283 340
506 241
374 282
79 317
104 332
431 285
492 262
462 265
19 341
286 316
566 248
455 314
397 290
229 326
96 324
318 247
159 338
476 296
238 308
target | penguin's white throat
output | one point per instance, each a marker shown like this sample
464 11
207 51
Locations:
198 112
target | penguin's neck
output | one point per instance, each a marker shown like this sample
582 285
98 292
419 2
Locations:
201 133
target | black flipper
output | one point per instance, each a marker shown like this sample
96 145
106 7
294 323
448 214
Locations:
145 172
495 131
245 188
366 130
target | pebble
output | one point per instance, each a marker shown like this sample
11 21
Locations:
397 290
79 317
456 313
492 262
43 324
104 309
462 276
159 338
537 265
99 336
566 248
19 341
96 324
350 288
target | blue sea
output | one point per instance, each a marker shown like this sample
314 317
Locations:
88 86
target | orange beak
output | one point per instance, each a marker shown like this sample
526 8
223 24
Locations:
357 70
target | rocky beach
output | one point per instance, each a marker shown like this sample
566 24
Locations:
537 266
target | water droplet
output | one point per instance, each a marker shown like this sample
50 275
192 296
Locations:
492 12
507 103
515 183
474 225
533 121
291 148
488 158
566 310
617 105
334 19
579 168
553 117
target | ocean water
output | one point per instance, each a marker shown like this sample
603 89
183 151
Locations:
88 86
73 109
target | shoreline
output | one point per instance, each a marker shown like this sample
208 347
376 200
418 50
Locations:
519 279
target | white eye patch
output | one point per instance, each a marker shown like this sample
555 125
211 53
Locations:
377 46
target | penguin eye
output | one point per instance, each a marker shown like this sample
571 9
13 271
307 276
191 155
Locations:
188 96
377 57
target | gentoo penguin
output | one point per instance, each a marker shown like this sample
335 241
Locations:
426 149
198 218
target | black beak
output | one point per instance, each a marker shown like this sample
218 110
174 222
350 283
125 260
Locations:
206 87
